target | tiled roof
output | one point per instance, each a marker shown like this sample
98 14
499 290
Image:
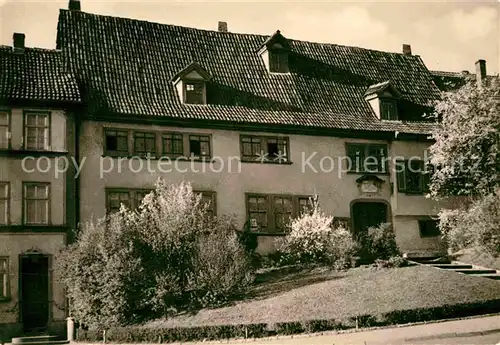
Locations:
127 65
35 75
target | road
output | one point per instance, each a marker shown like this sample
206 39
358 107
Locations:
483 330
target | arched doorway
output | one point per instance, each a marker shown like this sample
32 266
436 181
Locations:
366 214
34 291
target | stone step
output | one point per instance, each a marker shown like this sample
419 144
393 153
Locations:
452 266
476 271
34 339
490 276
44 342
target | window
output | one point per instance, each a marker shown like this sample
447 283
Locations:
367 158
194 93
173 146
4 203
116 142
273 213
264 149
209 198
145 144
36 203
388 109
4 130
130 198
4 277
278 61
305 205
36 131
429 228
199 146
413 176
283 212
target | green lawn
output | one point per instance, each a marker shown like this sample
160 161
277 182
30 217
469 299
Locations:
322 294
478 257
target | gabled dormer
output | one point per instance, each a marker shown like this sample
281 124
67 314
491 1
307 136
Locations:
191 84
383 98
274 51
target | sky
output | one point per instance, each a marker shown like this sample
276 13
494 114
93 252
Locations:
449 36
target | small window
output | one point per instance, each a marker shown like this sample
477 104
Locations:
36 203
209 198
4 203
36 131
367 158
283 213
264 149
278 61
429 228
4 277
173 146
194 93
116 143
388 109
145 144
258 213
199 146
114 200
4 130
130 198
413 176
305 205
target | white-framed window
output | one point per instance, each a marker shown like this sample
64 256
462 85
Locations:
4 203
36 131
36 203
4 130
4 277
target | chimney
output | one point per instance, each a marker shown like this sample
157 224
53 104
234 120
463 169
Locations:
222 26
18 39
74 5
480 72
406 49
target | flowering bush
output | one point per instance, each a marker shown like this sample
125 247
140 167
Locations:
474 225
166 256
381 243
312 239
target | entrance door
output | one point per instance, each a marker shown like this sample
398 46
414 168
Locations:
367 214
34 288
364 216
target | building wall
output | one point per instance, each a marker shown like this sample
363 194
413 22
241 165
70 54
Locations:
18 166
15 244
336 190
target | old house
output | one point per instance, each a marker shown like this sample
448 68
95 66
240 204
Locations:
37 102
258 125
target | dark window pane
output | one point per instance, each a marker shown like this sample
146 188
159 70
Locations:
429 228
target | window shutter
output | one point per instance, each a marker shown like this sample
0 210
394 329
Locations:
426 180
401 175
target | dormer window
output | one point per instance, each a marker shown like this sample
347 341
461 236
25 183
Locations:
383 98
191 84
388 109
274 52
194 93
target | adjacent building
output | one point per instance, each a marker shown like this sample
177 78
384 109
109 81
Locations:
257 124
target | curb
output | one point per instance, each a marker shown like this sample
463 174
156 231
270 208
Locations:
454 335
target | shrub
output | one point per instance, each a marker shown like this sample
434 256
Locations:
379 243
312 239
167 256
476 225
392 262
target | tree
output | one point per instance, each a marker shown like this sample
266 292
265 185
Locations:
466 157
466 152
